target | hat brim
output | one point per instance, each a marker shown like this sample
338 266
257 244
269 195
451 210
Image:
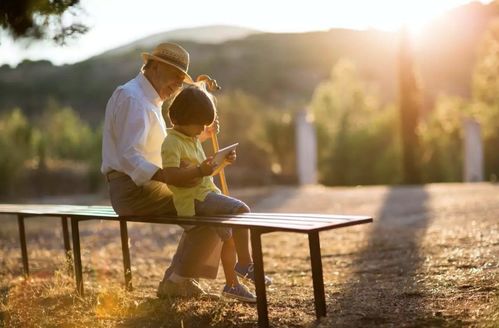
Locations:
147 56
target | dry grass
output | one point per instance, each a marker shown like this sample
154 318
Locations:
430 259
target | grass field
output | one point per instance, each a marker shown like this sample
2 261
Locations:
430 259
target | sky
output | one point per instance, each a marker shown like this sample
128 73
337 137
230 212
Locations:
115 23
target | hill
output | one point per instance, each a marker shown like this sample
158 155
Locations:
204 34
281 69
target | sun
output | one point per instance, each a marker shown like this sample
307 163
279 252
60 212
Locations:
414 15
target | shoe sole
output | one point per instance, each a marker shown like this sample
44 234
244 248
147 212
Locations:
251 280
239 298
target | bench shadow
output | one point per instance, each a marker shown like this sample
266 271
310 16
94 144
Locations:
384 288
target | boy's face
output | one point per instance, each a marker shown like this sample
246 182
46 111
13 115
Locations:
191 130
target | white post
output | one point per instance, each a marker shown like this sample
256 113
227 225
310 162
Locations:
473 151
306 148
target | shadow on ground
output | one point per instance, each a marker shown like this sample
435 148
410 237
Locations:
384 288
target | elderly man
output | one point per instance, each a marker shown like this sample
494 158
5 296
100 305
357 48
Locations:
134 130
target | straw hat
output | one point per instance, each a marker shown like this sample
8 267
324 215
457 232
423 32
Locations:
173 55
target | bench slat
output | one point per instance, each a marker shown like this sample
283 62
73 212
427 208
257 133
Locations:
299 222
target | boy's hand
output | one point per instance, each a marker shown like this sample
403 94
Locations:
207 166
231 157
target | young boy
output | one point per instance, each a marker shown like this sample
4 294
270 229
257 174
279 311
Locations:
191 111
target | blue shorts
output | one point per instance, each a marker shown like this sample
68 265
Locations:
216 204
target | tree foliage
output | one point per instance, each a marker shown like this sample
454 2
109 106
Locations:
441 133
41 19
241 119
357 137
486 97
16 147
409 106
442 141
64 135
57 136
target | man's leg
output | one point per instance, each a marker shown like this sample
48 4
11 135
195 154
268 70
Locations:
197 254
193 257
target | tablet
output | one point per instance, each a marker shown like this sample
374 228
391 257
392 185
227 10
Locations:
219 157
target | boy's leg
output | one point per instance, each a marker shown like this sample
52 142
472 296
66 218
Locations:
221 204
232 288
228 258
241 241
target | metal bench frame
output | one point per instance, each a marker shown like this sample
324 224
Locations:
258 223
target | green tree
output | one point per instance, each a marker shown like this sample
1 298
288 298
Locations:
357 137
485 88
64 135
242 120
410 103
16 147
94 159
41 19
442 141
280 138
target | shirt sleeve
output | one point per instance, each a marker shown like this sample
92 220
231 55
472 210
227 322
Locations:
134 122
170 152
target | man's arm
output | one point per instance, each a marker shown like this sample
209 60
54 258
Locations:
187 176
168 176
134 125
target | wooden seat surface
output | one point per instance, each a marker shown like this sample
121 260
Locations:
292 222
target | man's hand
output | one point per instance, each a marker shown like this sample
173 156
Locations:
213 128
192 182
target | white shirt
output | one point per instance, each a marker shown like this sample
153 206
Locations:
134 130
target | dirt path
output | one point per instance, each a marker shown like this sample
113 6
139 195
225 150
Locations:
429 259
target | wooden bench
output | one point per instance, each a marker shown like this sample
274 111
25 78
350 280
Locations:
258 223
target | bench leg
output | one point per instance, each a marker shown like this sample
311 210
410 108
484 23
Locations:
24 249
261 296
318 280
67 245
75 232
126 255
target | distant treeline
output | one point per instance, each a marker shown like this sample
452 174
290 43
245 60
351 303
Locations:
51 123
357 134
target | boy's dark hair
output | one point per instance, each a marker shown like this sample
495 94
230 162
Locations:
192 105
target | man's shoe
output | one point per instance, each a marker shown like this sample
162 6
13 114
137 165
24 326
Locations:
185 288
248 273
239 292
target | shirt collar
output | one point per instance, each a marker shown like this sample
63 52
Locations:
149 92
181 135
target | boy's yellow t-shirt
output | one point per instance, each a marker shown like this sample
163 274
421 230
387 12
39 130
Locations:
179 147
